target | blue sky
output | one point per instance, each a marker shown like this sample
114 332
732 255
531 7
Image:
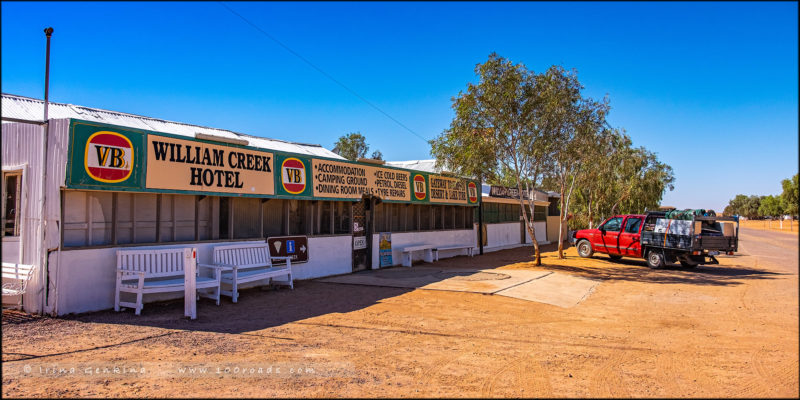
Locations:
710 87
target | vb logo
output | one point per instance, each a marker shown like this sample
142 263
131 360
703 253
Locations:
293 175
472 191
108 157
419 187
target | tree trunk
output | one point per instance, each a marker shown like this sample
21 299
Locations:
563 220
529 226
591 223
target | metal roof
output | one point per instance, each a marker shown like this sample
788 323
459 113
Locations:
418 165
26 108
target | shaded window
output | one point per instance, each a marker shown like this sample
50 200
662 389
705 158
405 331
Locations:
341 217
449 217
273 217
396 225
612 225
324 218
632 225
298 217
437 212
379 216
539 213
246 218
425 218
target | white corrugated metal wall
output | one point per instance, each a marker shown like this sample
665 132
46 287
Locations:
22 146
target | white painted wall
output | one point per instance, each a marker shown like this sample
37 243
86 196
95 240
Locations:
11 249
540 229
502 235
87 278
463 237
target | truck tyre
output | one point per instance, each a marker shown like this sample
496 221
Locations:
614 257
655 259
688 264
585 248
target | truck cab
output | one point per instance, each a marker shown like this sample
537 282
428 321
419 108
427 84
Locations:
618 236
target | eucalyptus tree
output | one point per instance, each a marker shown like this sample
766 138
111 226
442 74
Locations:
790 195
497 132
618 178
574 123
354 146
597 176
771 206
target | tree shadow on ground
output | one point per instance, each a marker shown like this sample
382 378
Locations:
601 267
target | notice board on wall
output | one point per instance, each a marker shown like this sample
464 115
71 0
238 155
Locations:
385 248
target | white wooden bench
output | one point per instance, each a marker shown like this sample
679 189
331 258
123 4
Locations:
469 249
19 274
244 263
407 252
146 271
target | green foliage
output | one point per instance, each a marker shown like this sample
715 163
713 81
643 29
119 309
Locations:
376 155
498 133
771 206
790 195
746 206
766 206
494 135
617 178
354 146
519 129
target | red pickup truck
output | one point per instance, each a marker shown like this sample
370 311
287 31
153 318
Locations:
649 236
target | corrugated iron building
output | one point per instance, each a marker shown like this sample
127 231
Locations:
157 192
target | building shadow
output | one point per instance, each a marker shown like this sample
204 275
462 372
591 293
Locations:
256 309
261 308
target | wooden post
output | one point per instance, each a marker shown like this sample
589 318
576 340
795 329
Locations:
190 282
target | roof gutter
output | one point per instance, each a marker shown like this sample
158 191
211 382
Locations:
24 121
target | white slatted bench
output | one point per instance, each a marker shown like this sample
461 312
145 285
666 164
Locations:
162 271
244 263
19 274
469 249
407 252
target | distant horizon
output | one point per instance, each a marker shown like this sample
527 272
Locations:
711 88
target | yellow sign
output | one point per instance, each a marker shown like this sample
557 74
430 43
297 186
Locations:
191 165
447 190
349 181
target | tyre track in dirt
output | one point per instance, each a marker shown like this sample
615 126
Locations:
530 379
777 378
433 375
772 382
606 381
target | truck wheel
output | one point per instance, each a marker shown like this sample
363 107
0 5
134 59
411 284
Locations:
614 257
585 248
655 259
688 264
